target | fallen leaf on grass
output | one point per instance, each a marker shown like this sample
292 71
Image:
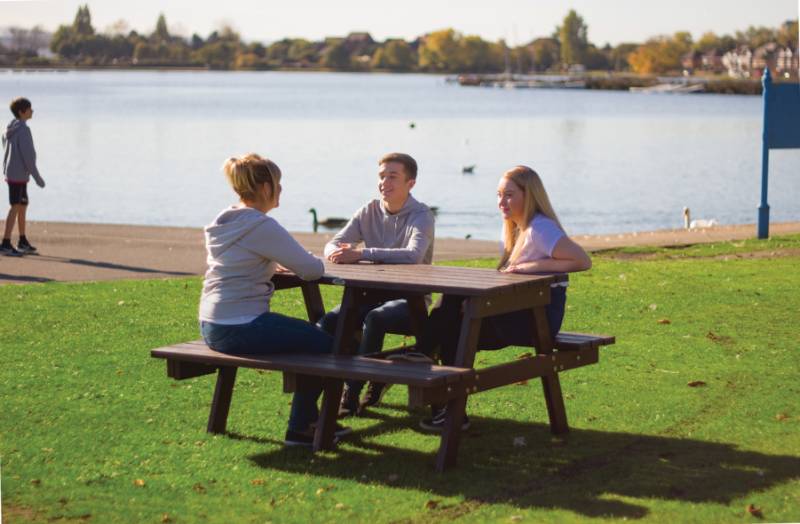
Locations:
340 506
257 482
36 482
166 518
754 511
515 518
525 355
432 504
664 321
199 488
521 383
139 483
781 416
696 384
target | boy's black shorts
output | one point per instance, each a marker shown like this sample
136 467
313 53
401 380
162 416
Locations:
18 194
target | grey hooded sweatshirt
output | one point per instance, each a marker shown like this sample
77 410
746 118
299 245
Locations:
19 156
405 237
243 246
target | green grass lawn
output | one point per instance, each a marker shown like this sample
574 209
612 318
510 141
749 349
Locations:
92 430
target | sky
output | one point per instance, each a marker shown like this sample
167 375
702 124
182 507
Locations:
516 21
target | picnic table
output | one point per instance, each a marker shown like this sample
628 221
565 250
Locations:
485 292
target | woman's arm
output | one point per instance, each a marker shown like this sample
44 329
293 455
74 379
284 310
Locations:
567 257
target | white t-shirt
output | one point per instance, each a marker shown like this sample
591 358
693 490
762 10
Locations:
540 240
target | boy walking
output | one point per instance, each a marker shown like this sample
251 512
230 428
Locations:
395 229
19 163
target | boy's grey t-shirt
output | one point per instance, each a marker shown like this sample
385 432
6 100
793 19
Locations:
405 237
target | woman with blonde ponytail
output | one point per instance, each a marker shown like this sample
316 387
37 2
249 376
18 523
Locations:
245 247
533 242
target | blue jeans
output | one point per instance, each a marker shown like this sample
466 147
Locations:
269 334
376 320
497 332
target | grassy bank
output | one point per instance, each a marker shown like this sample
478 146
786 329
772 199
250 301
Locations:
692 416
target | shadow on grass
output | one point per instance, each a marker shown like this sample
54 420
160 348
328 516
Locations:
589 472
112 265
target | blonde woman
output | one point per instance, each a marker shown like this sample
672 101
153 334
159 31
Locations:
245 247
533 242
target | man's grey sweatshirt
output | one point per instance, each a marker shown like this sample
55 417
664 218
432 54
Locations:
243 246
19 156
405 237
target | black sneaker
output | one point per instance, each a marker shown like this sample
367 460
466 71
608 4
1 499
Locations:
339 432
9 251
306 438
435 422
374 394
26 247
349 404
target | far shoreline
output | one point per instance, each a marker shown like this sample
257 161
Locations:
595 80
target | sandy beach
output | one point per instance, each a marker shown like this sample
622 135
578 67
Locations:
85 252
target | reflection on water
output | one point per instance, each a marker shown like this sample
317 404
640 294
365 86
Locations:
146 148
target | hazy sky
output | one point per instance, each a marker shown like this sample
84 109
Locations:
517 21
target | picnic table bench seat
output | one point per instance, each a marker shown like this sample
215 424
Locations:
427 383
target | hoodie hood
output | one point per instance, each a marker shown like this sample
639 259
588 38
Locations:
230 226
13 127
411 206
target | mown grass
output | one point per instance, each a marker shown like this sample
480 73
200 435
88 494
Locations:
93 430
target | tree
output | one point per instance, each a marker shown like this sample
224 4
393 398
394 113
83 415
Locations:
661 54
756 36
787 34
395 55
439 51
161 32
619 56
336 56
573 36
545 53
597 59
82 25
302 50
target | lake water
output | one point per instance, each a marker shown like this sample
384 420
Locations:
147 147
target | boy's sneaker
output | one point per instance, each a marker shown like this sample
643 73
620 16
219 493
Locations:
349 405
9 251
374 394
25 247
339 432
435 422
306 438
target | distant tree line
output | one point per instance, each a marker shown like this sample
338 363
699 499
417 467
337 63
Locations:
443 51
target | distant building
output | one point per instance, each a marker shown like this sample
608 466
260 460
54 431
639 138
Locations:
739 62
692 61
743 62
712 61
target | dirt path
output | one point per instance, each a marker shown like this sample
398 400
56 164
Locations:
80 252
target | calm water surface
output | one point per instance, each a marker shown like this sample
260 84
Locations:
146 148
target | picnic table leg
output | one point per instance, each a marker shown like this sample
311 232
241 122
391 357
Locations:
332 389
313 300
221 403
553 397
456 408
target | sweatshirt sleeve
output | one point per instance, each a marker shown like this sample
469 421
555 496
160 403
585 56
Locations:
349 234
414 252
272 241
28 155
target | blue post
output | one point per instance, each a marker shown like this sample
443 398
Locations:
763 208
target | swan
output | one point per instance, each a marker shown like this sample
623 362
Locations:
329 223
688 223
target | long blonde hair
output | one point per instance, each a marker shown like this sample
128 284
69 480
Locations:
535 200
245 174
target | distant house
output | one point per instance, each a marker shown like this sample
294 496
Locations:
742 62
692 60
712 61
359 43
739 62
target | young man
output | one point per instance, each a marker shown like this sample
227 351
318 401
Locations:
395 229
19 163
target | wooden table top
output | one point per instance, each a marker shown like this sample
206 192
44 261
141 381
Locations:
423 278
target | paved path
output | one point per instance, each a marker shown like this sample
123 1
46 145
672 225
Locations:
79 252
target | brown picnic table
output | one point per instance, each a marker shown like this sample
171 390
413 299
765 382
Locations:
485 292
